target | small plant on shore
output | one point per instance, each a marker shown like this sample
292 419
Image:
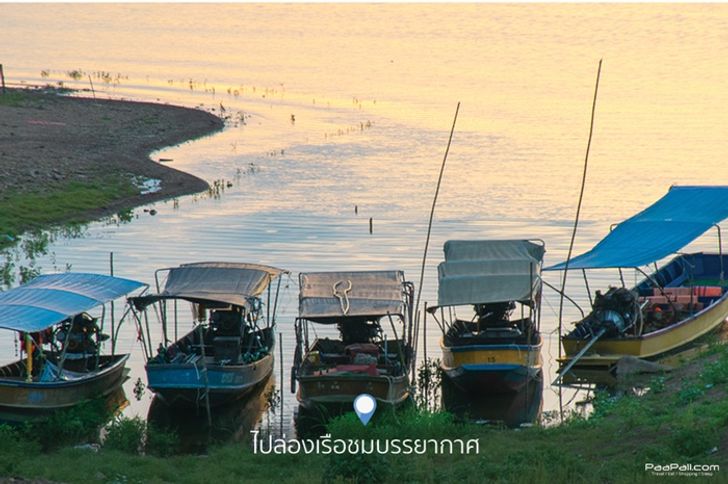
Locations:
126 435
135 436
429 378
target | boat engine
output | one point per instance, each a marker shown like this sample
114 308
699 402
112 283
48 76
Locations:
83 330
616 311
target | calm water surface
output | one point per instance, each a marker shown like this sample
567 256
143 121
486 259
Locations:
373 90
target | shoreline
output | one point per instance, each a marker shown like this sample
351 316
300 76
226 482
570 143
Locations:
50 142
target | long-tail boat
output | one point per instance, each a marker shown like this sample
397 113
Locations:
61 363
673 305
372 353
496 348
229 349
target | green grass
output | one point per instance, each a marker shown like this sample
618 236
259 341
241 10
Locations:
64 202
13 98
611 446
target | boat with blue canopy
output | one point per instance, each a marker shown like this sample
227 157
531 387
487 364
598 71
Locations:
489 298
61 364
228 350
673 305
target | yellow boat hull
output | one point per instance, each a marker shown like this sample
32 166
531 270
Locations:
655 345
496 368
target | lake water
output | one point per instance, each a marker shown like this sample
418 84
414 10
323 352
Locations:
373 91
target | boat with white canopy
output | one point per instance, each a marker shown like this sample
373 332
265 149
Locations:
372 311
229 349
496 348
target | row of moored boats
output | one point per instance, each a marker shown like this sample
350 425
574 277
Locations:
488 311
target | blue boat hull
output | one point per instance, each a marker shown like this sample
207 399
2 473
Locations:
185 384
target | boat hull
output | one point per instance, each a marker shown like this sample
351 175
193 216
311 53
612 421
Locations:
334 389
185 384
652 346
20 400
491 369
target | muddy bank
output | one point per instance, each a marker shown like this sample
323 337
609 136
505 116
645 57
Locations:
48 141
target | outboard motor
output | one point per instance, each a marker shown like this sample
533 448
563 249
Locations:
616 311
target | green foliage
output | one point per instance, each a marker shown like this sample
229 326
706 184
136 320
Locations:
134 435
126 435
716 372
429 378
690 394
161 442
365 468
68 427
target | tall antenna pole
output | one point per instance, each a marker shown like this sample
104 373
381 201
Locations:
578 206
432 211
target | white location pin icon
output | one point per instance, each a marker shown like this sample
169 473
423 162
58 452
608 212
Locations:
365 405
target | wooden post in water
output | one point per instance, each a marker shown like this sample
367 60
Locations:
93 91
371 225
2 78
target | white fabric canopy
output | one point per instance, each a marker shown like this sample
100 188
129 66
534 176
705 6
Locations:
326 295
487 271
225 282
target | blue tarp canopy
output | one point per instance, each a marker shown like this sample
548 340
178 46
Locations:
49 299
661 229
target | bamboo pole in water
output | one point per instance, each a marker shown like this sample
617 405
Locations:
280 350
432 210
578 206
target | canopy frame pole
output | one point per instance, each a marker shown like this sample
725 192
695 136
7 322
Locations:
424 335
267 308
531 305
140 333
99 329
432 311
113 322
658 286
578 206
59 375
149 333
115 336
720 253
275 304
163 318
588 291
409 321
396 338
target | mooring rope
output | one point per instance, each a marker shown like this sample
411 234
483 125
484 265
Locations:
343 297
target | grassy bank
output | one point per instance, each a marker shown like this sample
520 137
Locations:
65 202
683 418
71 159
